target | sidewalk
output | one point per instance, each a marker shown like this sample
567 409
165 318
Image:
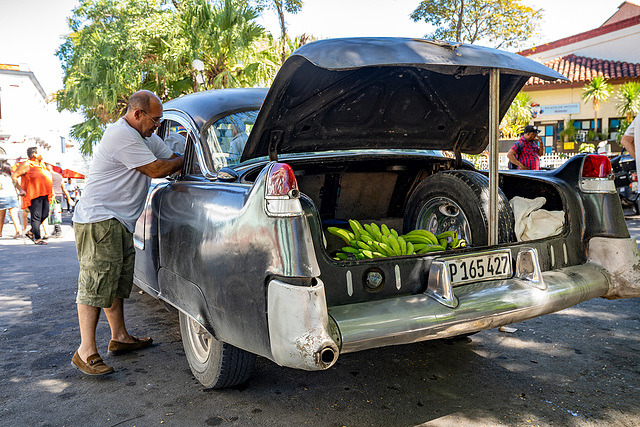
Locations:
67 233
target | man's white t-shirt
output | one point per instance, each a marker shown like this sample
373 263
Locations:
634 131
115 189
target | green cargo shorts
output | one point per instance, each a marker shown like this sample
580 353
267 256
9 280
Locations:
106 255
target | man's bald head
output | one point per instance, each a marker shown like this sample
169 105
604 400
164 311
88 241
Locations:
144 112
142 100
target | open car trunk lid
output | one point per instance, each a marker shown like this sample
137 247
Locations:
377 93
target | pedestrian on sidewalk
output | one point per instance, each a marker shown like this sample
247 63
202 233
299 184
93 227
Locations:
36 190
125 160
59 192
72 190
8 200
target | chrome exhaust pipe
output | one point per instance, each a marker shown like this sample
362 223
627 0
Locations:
327 357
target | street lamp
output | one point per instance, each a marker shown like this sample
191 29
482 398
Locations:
198 65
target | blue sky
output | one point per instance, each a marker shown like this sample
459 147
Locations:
32 29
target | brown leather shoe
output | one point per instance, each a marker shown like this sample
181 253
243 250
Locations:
117 347
94 365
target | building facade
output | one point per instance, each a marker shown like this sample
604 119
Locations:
609 50
27 119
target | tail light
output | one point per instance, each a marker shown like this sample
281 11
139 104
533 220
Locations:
596 166
596 175
281 191
634 176
282 181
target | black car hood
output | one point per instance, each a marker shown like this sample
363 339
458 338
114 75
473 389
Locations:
383 93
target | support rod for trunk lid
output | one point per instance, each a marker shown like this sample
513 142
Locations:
494 103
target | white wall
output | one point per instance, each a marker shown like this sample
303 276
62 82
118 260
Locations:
26 115
621 45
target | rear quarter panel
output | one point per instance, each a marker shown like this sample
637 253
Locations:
217 238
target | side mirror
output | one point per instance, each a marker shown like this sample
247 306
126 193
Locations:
227 174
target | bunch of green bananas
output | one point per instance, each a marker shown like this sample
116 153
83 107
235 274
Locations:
373 241
425 241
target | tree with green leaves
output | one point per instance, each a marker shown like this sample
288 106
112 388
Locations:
503 23
280 7
117 47
102 63
517 117
598 90
236 51
629 100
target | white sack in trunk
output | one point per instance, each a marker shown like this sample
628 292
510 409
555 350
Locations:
531 222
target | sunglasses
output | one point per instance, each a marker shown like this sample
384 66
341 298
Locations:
156 122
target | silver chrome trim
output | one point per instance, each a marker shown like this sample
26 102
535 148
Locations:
480 306
439 287
528 268
597 185
299 326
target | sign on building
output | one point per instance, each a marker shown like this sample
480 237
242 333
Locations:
547 110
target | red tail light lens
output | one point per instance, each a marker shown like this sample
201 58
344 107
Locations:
282 181
634 176
596 166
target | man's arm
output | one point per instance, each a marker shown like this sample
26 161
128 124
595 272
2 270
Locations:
162 167
68 197
540 146
628 143
511 155
21 170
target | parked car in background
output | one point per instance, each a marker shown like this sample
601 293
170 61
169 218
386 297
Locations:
626 180
263 255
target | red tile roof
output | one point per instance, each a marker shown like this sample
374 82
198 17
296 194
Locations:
605 29
580 69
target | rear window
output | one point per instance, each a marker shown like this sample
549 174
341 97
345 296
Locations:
227 137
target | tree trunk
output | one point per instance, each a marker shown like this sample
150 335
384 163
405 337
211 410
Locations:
596 107
283 29
459 23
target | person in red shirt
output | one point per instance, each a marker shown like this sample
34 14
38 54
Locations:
36 189
526 152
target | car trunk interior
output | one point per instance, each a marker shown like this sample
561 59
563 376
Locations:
377 189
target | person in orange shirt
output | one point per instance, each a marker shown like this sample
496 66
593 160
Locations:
36 189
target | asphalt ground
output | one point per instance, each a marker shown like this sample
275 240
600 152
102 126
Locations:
577 367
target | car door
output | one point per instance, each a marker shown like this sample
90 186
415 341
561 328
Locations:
176 134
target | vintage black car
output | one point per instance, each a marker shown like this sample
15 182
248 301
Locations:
245 240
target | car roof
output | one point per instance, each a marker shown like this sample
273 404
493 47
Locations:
207 106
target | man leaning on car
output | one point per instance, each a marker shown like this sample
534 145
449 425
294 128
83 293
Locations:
128 156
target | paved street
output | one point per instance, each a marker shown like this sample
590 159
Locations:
578 367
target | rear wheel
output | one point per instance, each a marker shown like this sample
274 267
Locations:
458 201
214 363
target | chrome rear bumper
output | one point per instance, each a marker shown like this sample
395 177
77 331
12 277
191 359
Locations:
304 334
483 305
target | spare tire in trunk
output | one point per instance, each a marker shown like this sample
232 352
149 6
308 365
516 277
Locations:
458 201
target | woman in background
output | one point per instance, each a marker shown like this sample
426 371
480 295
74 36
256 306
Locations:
8 200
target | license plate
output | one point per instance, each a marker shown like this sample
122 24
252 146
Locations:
473 268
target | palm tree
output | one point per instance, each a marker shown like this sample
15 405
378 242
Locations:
517 116
235 50
597 90
280 7
629 100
